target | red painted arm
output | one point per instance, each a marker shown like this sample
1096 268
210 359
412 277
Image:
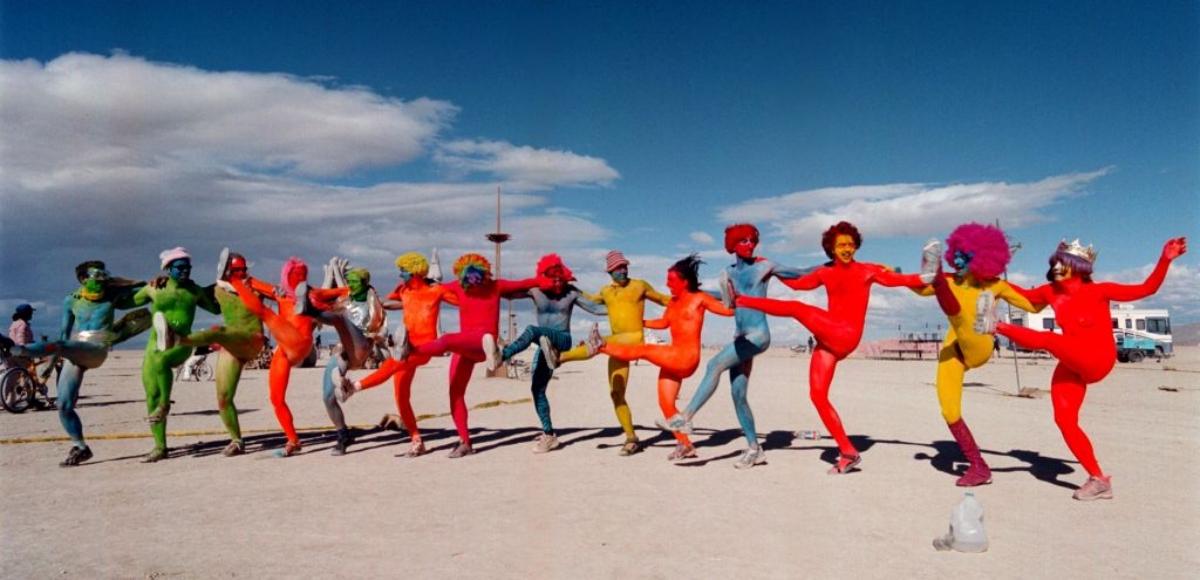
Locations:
810 281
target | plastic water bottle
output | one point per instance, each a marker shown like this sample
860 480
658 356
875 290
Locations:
966 528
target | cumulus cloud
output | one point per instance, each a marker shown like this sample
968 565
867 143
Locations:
1177 294
524 166
906 209
81 114
703 238
116 157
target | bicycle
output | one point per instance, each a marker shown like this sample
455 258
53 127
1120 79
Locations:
19 388
197 369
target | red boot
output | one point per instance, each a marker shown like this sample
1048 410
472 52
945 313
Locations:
978 473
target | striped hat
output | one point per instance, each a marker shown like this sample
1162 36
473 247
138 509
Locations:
615 260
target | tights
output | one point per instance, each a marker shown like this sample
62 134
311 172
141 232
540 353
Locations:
837 330
1085 350
294 333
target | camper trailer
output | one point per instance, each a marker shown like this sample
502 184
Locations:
1128 322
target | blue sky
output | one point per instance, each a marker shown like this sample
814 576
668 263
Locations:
641 126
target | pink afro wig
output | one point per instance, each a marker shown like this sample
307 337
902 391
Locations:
549 261
292 264
986 245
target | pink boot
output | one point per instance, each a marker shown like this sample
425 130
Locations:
978 473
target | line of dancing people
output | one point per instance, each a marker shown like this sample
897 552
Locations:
968 295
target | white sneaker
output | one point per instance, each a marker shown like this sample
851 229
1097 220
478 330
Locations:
931 258
491 352
163 335
751 457
594 340
546 443
549 353
223 264
302 298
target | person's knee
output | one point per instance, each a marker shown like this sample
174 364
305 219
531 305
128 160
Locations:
278 397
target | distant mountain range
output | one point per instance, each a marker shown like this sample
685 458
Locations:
1187 334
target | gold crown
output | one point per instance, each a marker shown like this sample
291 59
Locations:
1076 249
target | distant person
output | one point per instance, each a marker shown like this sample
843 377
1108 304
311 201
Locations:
19 331
811 344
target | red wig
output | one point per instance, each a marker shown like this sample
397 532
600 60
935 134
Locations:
737 232
550 261
986 245
839 229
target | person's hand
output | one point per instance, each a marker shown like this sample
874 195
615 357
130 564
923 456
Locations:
1174 248
159 282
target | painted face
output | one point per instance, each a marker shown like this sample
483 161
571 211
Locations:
358 287
472 276
620 275
558 277
180 270
961 260
675 283
237 268
1062 272
744 248
405 275
297 275
96 280
843 248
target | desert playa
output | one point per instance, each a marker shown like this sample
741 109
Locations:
585 512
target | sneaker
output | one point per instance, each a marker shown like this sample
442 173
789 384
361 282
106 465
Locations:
163 336
931 260
1095 488
462 450
345 387
546 442
676 423
234 449
344 439
751 457
223 265
728 296
155 455
289 449
682 452
594 340
416 449
302 305
76 456
985 313
630 448
844 464
491 352
549 353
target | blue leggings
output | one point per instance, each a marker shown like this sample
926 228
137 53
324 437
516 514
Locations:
331 405
738 358
66 395
542 374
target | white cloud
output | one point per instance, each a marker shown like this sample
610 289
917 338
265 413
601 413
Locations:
1177 294
906 209
525 167
83 114
702 238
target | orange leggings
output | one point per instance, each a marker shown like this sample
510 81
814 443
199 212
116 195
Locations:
402 374
675 364
294 335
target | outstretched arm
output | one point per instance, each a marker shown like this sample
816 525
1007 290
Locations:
657 324
886 277
1126 292
655 296
1007 293
715 306
790 272
809 281
592 307
511 288
208 299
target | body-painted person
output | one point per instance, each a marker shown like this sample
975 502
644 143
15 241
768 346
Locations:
361 325
240 336
839 329
678 360
748 275
86 335
293 331
625 298
552 334
173 301
1085 350
478 296
420 298
979 254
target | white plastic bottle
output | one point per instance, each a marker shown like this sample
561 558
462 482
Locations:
966 527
